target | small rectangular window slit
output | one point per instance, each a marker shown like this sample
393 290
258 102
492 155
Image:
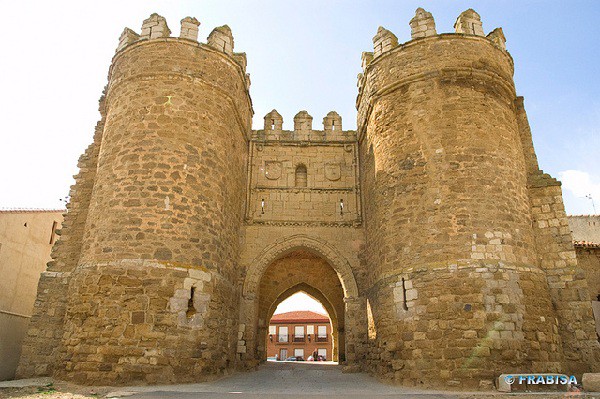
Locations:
404 304
191 311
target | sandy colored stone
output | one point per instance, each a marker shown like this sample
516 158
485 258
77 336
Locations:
439 248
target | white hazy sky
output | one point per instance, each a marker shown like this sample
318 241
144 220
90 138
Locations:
300 301
301 55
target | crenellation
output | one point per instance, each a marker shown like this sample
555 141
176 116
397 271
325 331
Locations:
332 122
155 27
241 59
273 122
497 37
422 24
383 41
303 132
221 38
366 59
127 37
189 28
469 23
302 124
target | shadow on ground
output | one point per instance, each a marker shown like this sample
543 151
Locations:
271 380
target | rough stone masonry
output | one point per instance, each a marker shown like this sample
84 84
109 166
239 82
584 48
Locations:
440 249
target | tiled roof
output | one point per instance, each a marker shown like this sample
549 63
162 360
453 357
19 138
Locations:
30 210
299 316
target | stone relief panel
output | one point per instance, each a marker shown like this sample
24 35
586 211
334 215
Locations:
333 171
273 170
327 194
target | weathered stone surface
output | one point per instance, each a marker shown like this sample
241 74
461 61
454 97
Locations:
422 24
591 382
189 28
440 249
155 27
456 271
221 39
469 23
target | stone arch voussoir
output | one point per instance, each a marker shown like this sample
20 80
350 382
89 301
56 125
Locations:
298 241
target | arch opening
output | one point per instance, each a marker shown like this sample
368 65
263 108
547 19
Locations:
296 331
300 270
289 244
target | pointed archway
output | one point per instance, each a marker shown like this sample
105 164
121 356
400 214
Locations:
284 266
288 244
335 313
313 340
298 268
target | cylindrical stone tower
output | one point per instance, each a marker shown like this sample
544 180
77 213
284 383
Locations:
455 290
154 295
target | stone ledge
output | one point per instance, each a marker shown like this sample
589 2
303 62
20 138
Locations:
591 382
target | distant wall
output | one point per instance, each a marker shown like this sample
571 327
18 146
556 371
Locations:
586 235
26 238
12 332
585 228
588 258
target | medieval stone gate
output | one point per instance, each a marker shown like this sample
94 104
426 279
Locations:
294 263
440 249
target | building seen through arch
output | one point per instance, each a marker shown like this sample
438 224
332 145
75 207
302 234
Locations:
303 334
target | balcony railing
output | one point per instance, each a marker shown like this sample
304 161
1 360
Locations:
285 339
299 338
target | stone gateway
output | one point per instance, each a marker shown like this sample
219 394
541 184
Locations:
439 248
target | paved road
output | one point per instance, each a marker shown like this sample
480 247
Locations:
285 379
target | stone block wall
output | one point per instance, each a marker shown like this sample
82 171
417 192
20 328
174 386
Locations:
162 202
332 254
566 279
324 191
139 322
455 285
431 233
461 324
567 282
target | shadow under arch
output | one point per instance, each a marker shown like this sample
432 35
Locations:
311 292
288 244
337 320
340 289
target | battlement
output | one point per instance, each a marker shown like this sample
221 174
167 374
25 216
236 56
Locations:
393 64
303 131
422 26
155 27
